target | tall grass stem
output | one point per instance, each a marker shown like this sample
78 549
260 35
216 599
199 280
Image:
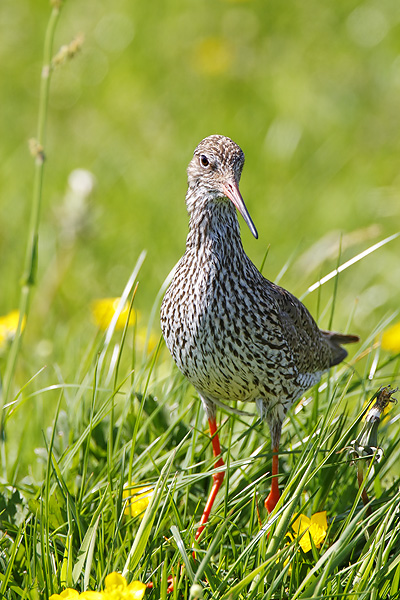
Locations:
31 257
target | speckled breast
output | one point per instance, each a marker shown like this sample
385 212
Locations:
226 344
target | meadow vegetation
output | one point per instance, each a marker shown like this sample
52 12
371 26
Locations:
105 453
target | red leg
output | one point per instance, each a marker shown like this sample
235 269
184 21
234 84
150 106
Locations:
274 494
217 477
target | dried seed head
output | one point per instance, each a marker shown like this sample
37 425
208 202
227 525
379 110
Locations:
366 445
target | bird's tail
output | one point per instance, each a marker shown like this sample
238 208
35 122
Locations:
335 341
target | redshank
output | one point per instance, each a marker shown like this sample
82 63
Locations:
234 334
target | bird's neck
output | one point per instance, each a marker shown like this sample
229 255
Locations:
213 224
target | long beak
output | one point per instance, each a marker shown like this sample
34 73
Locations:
231 191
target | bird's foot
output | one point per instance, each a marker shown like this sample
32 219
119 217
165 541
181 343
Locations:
273 497
171 582
271 501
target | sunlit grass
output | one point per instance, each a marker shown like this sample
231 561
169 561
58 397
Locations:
132 419
106 457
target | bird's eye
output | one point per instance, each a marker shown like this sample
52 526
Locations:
204 160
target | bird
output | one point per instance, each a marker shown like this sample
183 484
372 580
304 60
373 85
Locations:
234 334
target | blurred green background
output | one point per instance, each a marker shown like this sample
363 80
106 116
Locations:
310 90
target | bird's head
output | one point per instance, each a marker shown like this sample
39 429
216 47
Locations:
215 169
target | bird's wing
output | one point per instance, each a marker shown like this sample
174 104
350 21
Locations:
310 349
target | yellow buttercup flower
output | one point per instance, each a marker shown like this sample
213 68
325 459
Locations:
391 338
310 529
8 327
138 500
116 588
67 594
103 310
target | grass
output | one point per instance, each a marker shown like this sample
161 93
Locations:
126 420
110 411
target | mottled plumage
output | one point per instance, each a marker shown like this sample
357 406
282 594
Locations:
234 334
